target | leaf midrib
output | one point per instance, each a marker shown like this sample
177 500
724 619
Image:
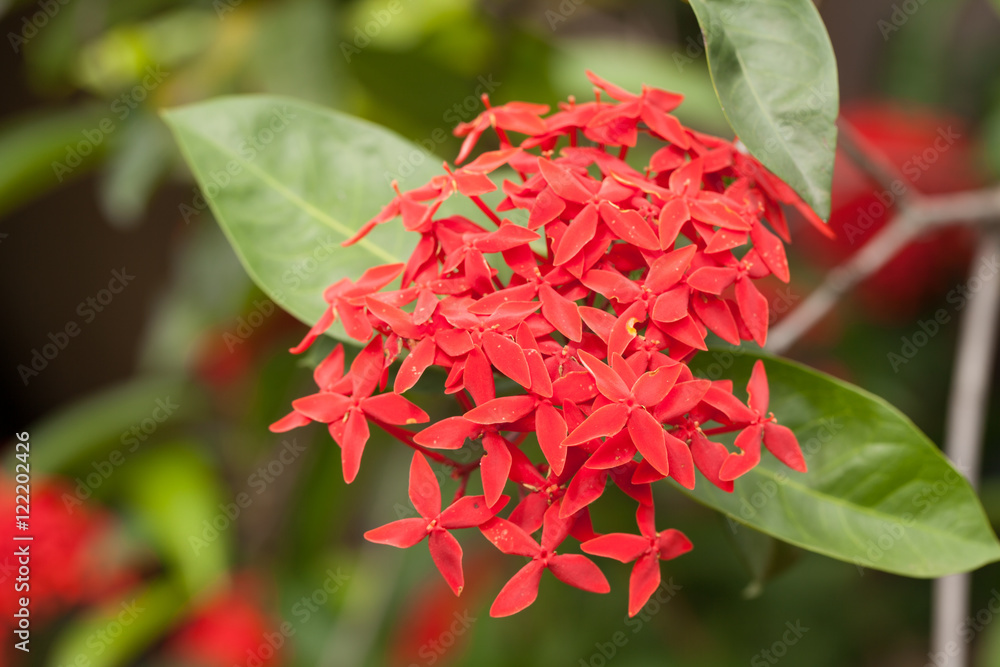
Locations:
295 199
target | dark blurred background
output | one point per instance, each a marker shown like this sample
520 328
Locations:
146 366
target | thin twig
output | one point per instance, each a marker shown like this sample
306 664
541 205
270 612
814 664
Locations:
406 437
874 162
932 211
967 412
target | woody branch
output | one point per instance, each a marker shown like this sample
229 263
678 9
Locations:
919 214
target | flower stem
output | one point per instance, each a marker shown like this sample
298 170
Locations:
406 438
486 209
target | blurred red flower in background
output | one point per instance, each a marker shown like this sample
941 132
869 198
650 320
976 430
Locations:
933 154
230 628
76 554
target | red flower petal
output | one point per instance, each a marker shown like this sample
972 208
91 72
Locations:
402 534
478 377
563 182
771 250
681 461
375 279
562 313
673 215
612 285
727 404
352 444
322 407
623 547
503 410
555 528
354 319
551 429
709 457
447 555
494 467
413 367
748 441
643 582
682 399
604 421
450 433
454 343
393 409
330 369
547 207
367 367
292 420
753 310
712 279
425 494
579 571
518 593
580 232
608 381
541 383
667 270
509 538
507 357
715 314
648 436
781 441
758 390
586 486
615 451
672 305
685 331
654 386
629 226
468 512
673 543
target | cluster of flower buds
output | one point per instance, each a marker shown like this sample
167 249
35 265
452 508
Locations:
565 341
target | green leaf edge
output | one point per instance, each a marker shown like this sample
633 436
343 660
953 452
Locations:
881 402
170 117
822 211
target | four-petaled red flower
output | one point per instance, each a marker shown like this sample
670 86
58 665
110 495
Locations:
435 524
522 589
646 549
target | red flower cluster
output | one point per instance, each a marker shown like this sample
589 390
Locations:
574 329
76 554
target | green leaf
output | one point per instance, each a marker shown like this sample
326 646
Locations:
139 158
178 498
119 632
776 77
300 180
878 493
40 151
763 556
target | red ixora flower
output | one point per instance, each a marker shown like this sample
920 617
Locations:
574 330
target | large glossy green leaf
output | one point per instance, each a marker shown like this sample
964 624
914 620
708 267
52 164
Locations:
878 493
776 76
289 181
